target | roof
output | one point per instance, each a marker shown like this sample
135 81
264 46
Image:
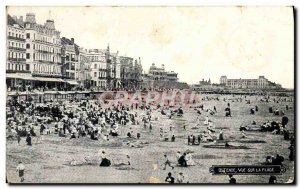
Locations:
11 21
66 41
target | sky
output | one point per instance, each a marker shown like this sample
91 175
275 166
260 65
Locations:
196 42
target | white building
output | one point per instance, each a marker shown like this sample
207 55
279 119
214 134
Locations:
98 67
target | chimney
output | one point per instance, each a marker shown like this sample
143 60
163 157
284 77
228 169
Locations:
72 39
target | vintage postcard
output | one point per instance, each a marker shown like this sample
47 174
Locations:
150 95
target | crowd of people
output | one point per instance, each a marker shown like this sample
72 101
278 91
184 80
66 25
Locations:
87 118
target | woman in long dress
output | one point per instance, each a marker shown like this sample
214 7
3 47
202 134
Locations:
189 159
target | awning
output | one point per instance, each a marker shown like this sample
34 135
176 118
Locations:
18 76
72 82
49 79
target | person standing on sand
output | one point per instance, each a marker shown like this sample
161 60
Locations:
19 139
28 140
21 169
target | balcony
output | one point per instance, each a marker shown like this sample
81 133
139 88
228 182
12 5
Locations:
17 71
43 51
44 61
17 59
36 73
17 48
16 38
103 70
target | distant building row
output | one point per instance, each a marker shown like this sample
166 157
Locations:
261 83
38 57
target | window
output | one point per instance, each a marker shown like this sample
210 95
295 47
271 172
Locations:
8 33
27 55
28 35
95 74
27 46
33 46
95 66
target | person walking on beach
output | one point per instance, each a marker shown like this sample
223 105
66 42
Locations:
21 169
167 162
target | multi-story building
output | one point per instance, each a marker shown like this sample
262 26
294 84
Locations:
115 70
85 62
131 72
18 72
159 77
99 67
73 62
43 51
261 82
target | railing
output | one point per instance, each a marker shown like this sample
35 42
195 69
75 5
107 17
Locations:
17 59
17 48
35 73
43 51
44 61
16 38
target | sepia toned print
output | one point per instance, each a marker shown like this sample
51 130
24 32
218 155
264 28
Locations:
150 95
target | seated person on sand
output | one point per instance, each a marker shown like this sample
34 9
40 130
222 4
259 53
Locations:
73 135
210 136
94 135
104 161
210 127
182 161
243 134
277 160
113 132
189 159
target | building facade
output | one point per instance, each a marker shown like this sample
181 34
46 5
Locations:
99 60
261 82
16 66
158 77
115 70
73 60
43 48
131 72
